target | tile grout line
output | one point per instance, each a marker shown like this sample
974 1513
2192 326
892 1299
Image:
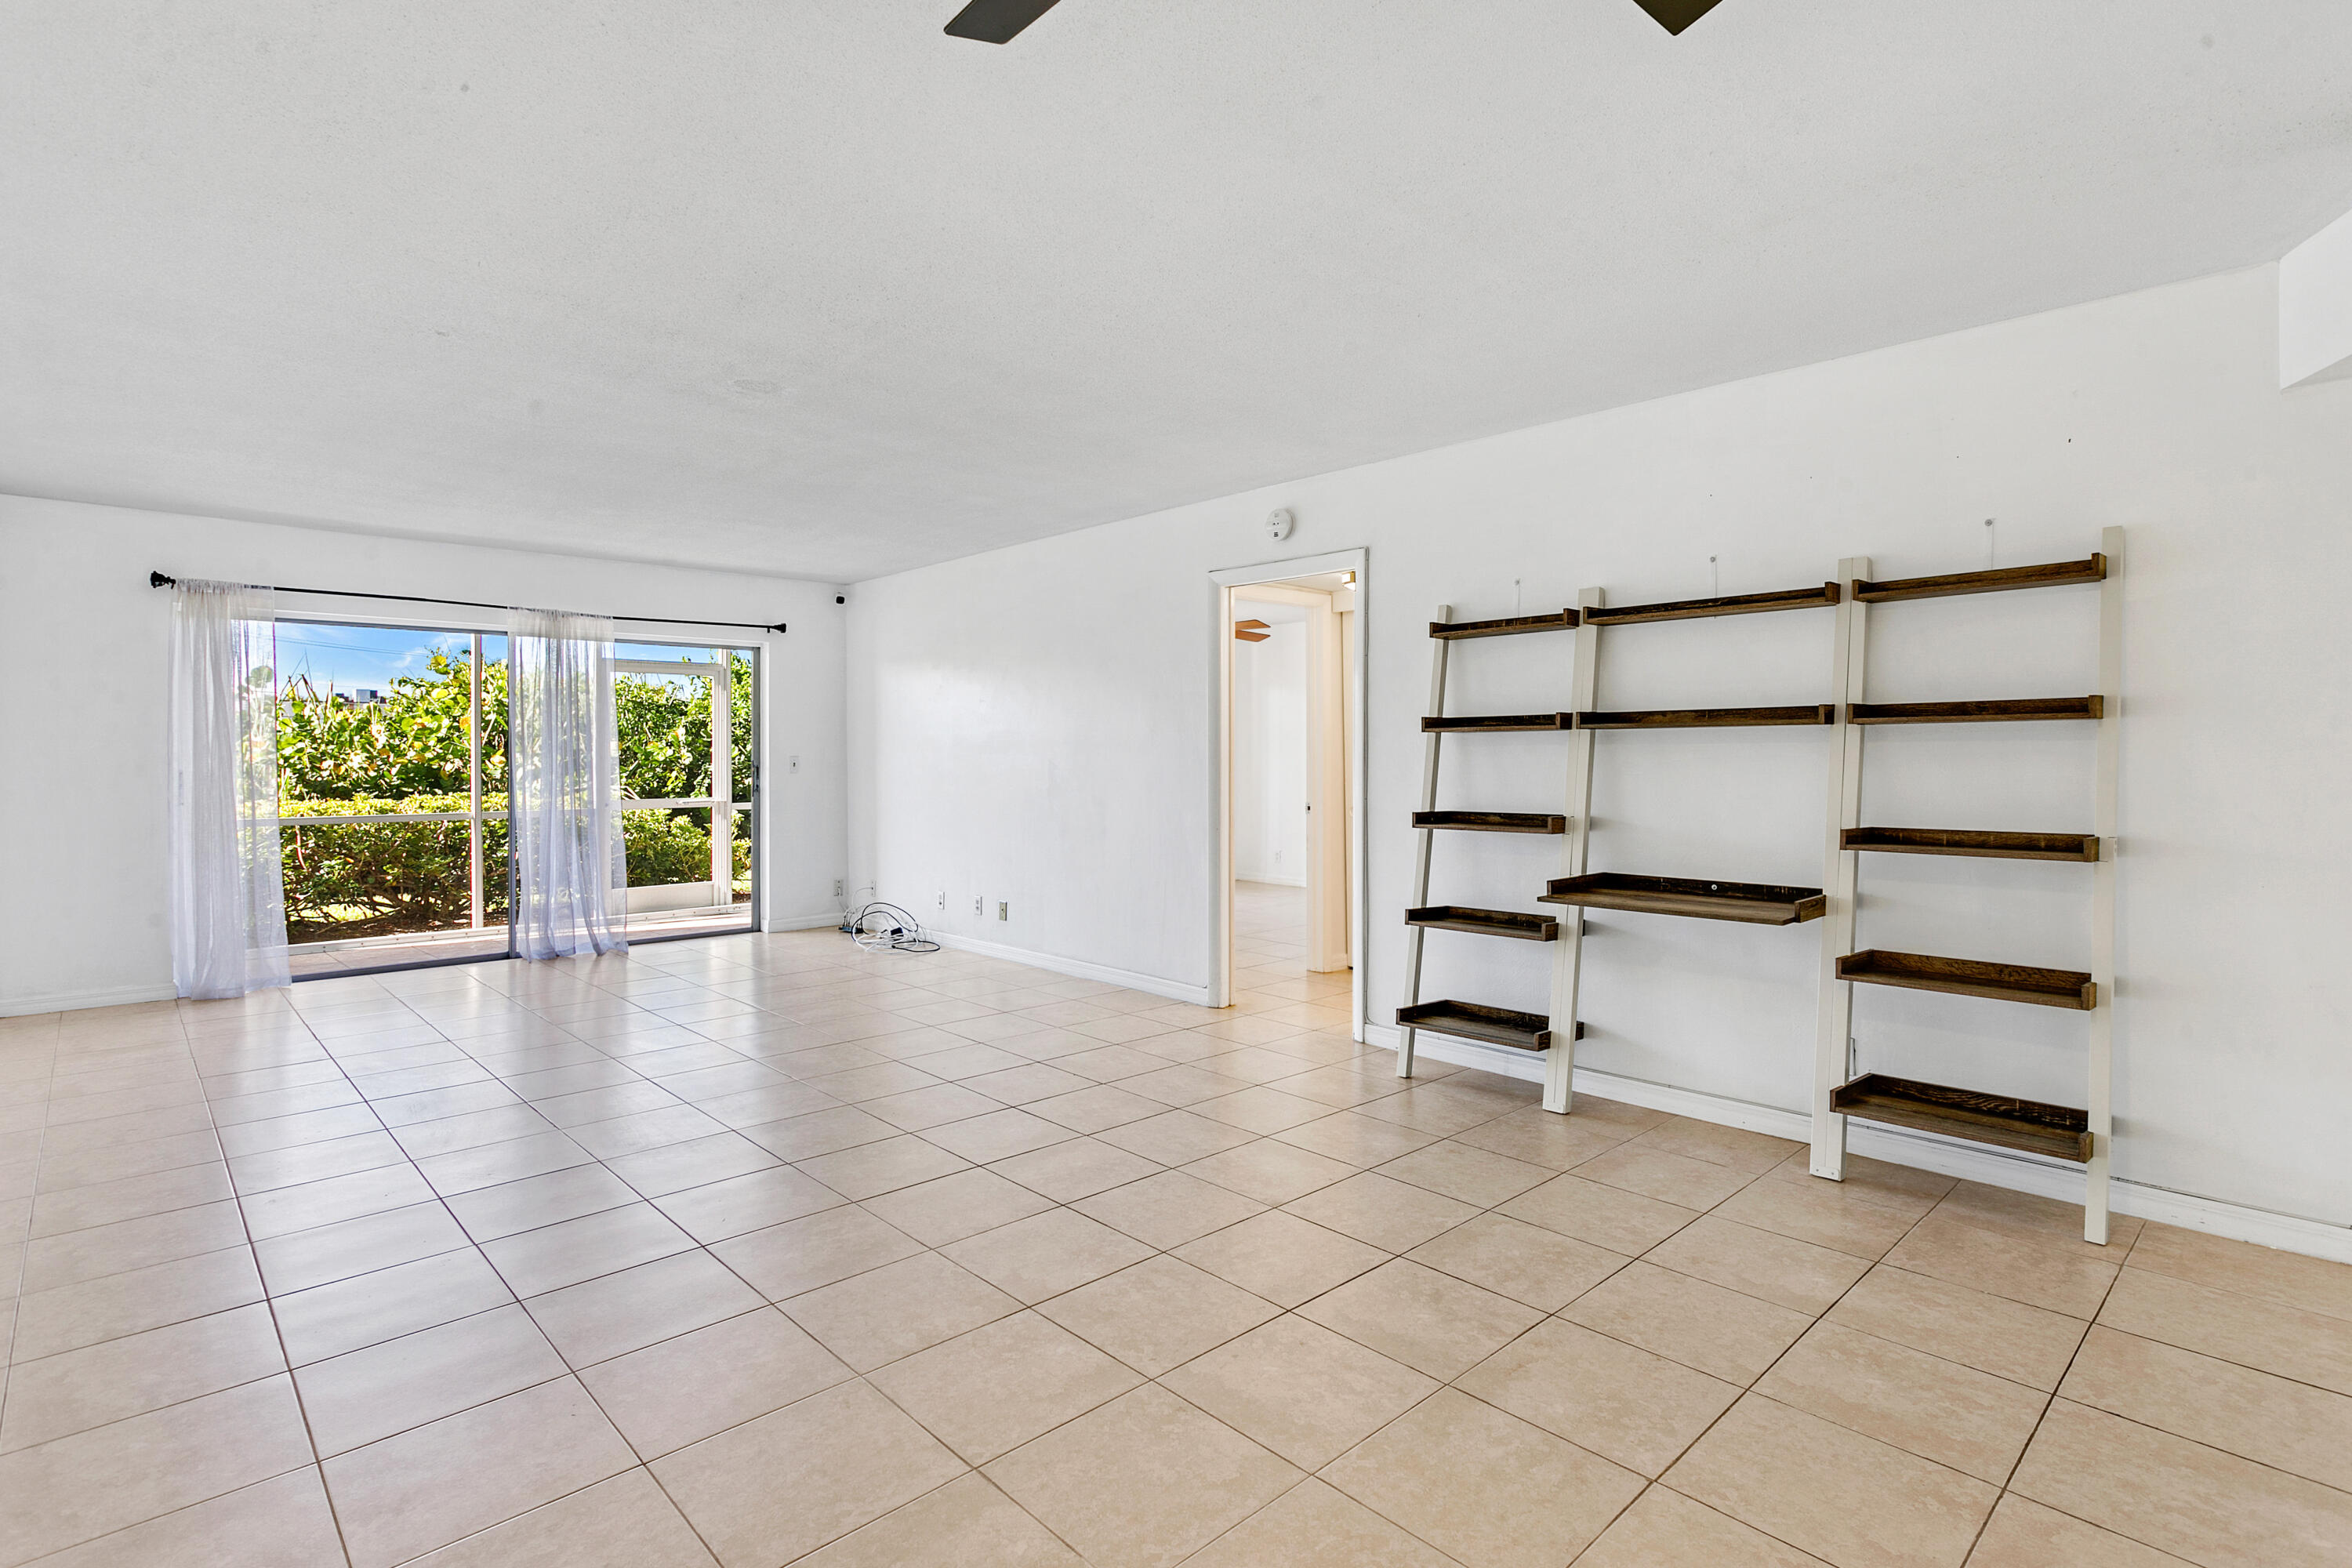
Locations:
2049 1403
16 1301
573 1372
1442 1385
301 1406
1749 1388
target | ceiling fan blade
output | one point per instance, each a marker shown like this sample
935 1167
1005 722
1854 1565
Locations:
996 21
1673 16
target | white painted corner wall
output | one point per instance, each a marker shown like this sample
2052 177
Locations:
82 714
1038 724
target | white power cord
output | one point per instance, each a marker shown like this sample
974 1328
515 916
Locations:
880 927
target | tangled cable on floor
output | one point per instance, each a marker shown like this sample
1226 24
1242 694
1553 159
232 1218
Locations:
879 927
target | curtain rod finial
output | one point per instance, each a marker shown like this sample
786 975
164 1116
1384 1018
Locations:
157 580
777 627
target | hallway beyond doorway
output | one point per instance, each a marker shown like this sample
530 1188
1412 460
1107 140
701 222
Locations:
1270 952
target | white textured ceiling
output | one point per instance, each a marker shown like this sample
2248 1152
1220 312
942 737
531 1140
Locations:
804 285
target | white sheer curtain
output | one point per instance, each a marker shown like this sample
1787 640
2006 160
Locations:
228 902
570 872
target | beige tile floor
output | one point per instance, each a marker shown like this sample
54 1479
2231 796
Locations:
767 1250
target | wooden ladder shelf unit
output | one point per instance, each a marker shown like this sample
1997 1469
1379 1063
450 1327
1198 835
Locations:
1704 718
1728 605
1488 1026
2070 988
2056 1131
1492 821
2083 1136
1496 723
1752 903
2056 575
2083 846
1472 1020
1747 902
1484 922
2007 710
1509 627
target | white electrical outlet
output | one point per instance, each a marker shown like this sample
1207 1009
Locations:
944 897
975 905
837 886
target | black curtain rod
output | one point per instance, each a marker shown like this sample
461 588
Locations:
158 579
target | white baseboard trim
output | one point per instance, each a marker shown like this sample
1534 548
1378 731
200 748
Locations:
1075 968
1924 1151
67 1001
804 923
1273 881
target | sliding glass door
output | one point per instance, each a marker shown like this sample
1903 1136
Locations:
392 786
688 763
393 793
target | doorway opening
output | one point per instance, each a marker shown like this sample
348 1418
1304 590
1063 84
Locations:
1291 844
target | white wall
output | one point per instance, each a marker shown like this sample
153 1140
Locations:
84 642
2316 307
1270 757
983 755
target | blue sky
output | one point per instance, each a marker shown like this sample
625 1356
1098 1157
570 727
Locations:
354 656
349 656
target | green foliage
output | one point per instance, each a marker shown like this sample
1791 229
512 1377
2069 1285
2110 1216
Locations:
668 847
407 752
411 742
347 878
665 727
664 848
354 879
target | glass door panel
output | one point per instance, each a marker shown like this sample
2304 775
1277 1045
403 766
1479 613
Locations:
687 757
391 820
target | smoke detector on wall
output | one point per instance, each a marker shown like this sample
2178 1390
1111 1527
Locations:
1279 523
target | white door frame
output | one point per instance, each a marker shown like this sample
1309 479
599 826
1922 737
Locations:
1220 902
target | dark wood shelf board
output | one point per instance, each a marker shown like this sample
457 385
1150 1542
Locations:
1752 903
1497 723
1704 718
2056 1131
1492 821
1509 627
1474 1021
1704 609
1484 922
2069 988
1973 841
2008 709
2055 575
